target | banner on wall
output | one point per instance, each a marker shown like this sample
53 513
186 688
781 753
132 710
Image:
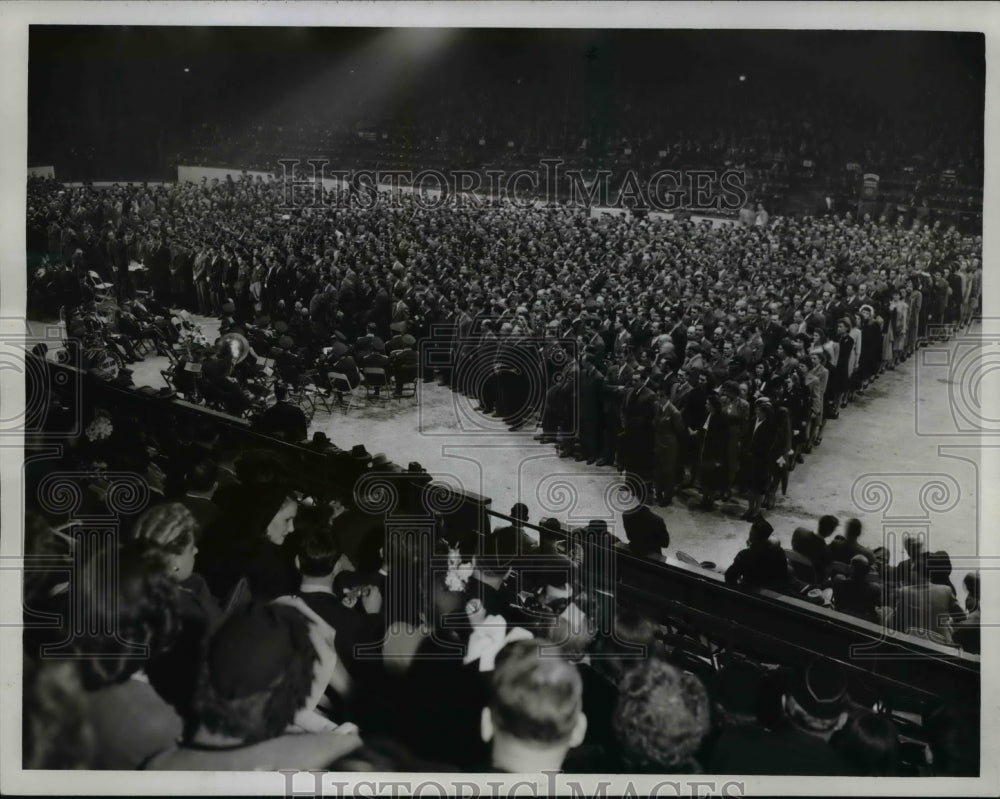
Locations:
41 171
869 187
194 174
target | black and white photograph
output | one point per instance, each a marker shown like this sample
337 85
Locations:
502 399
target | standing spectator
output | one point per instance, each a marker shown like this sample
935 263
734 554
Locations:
669 432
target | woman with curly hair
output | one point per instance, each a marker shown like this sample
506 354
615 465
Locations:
130 621
661 719
165 536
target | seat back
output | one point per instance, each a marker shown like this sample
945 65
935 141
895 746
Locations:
374 376
801 567
339 381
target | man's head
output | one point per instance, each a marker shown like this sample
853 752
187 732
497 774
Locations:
760 532
203 475
536 703
828 525
913 546
859 567
317 552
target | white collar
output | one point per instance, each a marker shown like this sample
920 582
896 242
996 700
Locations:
312 588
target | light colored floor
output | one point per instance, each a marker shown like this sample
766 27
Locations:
871 457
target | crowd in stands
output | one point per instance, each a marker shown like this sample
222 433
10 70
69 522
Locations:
257 625
821 145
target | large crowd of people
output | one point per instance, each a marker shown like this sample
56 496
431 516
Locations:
688 354
681 352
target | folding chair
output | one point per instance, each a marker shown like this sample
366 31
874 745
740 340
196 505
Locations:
376 383
406 381
340 386
101 289
189 384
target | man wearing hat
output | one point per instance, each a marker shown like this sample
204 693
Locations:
813 704
763 563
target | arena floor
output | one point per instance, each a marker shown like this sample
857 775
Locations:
879 462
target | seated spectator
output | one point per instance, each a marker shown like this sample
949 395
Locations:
552 539
869 742
906 570
660 720
749 703
56 731
534 715
264 672
925 609
402 365
42 587
515 538
130 720
815 703
953 736
361 624
856 594
939 568
201 481
217 378
488 585
808 549
246 543
827 526
763 563
165 536
845 547
283 419
966 632
645 531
